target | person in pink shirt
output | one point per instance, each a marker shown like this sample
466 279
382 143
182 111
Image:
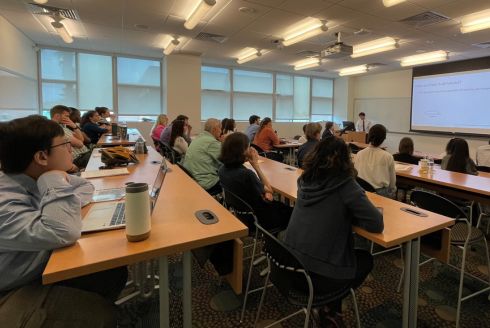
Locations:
160 124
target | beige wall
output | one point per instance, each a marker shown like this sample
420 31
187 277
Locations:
398 84
17 52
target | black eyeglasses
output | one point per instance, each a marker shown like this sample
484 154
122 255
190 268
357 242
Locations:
67 144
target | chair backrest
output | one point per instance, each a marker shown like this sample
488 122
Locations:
483 168
258 149
284 265
354 148
437 204
242 210
365 185
169 153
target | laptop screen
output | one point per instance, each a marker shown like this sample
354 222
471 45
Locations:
157 184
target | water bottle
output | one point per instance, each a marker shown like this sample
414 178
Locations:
431 164
139 146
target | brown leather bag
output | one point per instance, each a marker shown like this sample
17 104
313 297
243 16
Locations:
118 156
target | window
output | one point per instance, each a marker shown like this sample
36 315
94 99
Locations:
95 81
18 96
322 100
215 96
85 81
138 87
59 80
252 93
293 98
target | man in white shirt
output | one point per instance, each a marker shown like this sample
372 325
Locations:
363 125
483 155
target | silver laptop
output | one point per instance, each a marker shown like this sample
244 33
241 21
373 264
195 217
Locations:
111 215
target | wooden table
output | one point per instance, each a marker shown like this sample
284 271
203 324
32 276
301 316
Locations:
460 185
174 229
291 145
108 140
399 228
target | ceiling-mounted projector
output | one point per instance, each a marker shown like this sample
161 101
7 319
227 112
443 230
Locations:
337 50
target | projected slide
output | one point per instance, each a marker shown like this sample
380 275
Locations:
455 102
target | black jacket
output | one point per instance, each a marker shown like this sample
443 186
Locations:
320 229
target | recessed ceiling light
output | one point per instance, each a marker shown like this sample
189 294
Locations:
247 10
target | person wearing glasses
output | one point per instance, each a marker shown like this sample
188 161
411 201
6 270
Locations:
40 210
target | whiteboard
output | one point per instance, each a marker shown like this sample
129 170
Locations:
393 113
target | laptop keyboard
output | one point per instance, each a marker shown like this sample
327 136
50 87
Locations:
118 216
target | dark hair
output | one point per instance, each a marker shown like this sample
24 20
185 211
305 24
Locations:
223 124
406 146
304 128
229 126
264 122
75 115
177 131
376 135
331 156
58 109
459 156
233 149
328 125
450 146
181 118
101 110
87 116
253 118
362 114
21 138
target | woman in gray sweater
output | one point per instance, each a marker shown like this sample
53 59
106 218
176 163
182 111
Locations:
329 202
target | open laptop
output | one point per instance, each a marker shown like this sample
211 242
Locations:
111 215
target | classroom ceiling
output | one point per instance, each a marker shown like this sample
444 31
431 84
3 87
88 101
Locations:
140 28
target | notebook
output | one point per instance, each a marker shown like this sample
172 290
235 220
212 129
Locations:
111 215
104 173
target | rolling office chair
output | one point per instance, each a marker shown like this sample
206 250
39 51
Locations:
284 266
463 235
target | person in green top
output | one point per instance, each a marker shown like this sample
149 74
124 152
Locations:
201 159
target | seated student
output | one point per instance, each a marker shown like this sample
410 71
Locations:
177 141
252 129
243 182
104 114
329 203
201 158
81 154
165 136
405 152
483 155
159 126
266 138
302 139
375 165
458 158
313 131
76 117
228 128
34 155
90 126
329 132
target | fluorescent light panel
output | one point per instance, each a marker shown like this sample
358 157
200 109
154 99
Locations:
306 63
373 47
248 55
62 32
476 21
199 11
353 70
172 44
429 57
304 32
389 3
